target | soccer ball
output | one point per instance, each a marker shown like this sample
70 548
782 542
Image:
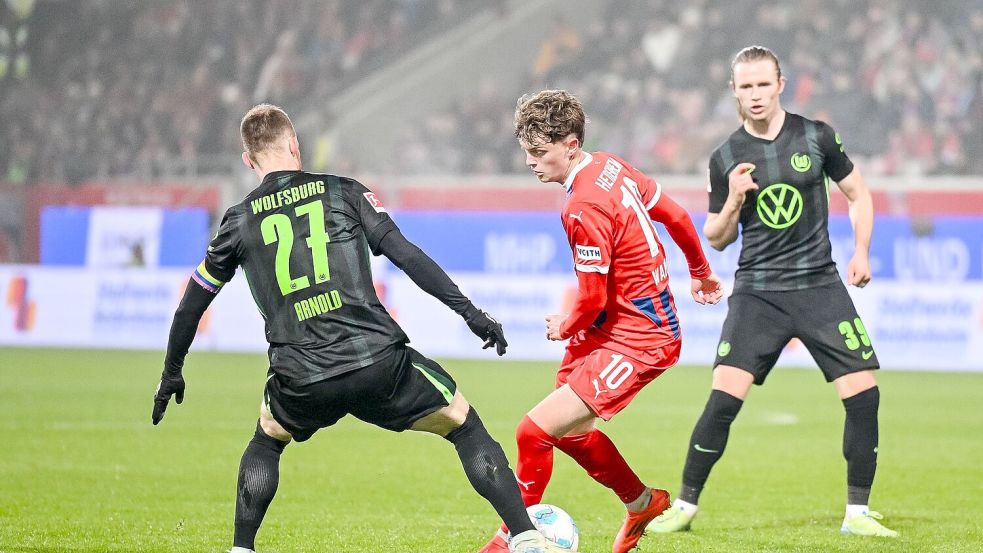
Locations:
554 523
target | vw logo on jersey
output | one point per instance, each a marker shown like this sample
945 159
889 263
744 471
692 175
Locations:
801 162
779 205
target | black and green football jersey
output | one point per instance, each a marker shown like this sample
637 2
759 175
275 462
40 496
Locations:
303 241
784 224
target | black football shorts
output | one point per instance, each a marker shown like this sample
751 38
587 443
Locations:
759 325
393 394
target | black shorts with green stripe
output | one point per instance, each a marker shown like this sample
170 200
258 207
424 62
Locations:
393 393
760 324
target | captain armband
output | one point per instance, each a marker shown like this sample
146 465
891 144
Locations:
206 280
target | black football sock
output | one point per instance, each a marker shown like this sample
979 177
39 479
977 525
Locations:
860 444
707 443
259 475
488 470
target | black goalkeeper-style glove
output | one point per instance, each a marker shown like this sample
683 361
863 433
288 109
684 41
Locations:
169 385
488 329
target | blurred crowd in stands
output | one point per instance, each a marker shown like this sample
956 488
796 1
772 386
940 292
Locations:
900 80
107 89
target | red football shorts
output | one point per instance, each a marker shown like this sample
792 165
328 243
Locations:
607 380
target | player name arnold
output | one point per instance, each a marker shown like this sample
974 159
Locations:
321 303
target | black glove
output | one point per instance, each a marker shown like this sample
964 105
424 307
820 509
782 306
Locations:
169 384
488 329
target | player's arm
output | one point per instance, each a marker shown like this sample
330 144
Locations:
862 218
723 216
705 287
592 296
680 227
721 229
189 312
590 234
839 168
432 279
385 238
211 274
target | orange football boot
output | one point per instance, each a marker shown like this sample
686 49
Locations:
635 523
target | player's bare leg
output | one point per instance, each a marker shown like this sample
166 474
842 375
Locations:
259 476
730 387
861 399
852 384
484 462
442 421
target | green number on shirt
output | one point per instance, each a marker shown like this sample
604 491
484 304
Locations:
318 240
278 228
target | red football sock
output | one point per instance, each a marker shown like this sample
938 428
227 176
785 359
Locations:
603 462
535 465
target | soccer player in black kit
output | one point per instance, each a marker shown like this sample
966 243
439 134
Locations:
771 177
303 241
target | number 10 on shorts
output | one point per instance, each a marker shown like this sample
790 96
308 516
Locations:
617 371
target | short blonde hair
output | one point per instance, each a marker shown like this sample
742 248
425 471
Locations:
549 116
262 126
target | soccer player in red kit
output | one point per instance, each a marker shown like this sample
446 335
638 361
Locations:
623 328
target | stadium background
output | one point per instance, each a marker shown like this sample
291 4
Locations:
119 148
119 151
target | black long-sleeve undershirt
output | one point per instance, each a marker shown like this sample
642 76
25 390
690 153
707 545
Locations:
189 312
424 272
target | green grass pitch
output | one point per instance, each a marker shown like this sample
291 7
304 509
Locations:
82 468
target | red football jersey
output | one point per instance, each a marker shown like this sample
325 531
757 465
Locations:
608 222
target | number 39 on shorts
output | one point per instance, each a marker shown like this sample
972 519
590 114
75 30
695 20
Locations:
854 334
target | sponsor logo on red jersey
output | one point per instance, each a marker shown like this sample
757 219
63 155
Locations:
588 253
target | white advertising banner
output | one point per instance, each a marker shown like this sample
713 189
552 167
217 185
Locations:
913 324
519 302
121 308
920 325
124 236
86 307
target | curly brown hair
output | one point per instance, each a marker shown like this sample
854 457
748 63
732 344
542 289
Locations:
262 126
549 116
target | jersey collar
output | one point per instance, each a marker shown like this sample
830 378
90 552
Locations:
568 184
273 176
762 140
